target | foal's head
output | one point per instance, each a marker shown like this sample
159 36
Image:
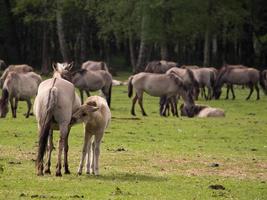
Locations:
63 70
83 114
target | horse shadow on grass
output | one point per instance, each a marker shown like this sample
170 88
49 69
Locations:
132 177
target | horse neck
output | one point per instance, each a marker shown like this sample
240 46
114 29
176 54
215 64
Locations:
221 78
188 99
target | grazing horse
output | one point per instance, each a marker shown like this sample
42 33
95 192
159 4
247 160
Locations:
17 68
205 78
94 65
18 87
202 111
96 116
91 81
237 76
160 67
54 105
158 85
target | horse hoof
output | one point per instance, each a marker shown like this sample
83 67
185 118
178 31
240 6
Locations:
40 174
47 171
58 174
79 173
67 172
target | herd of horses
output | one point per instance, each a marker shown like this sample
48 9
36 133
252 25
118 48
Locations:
58 107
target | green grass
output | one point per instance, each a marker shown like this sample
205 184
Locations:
162 158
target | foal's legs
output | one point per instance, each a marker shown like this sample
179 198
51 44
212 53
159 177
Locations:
133 104
251 87
89 154
96 153
50 147
29 104
62 144
84 152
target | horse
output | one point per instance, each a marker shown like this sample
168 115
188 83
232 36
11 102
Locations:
2 64
189 67
18 87
96 115
158 85
17 68
94 65
238 76
229 86
189 82
159 67
263 80
91 81
205 78
202 111
54 105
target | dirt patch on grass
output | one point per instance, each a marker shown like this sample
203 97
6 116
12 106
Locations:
241 169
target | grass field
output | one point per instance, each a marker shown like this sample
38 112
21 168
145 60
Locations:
148 157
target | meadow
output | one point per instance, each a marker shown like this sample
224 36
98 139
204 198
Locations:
149 157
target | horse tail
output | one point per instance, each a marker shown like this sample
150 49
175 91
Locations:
130 87
4 102
212 79
109 95
46 119
263 81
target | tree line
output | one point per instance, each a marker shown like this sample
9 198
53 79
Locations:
129 33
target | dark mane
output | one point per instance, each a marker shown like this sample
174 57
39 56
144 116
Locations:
79 71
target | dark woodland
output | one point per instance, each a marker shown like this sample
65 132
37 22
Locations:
129 33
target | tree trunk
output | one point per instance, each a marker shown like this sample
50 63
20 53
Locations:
83 42
46 62
132 52
214 50
164 51
61 34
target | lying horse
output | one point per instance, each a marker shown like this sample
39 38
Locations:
17 68
96 116
202 111
54 105
158 85
237 76
94 65
160 67
18 87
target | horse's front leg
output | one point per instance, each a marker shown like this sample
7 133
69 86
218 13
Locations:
174 109
227 91
12 107
50 147
251 91
89 154
232 90
81 93
258 91
84 152
96 153
29 104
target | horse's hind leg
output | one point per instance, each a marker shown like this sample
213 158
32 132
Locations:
62 144
66 149
96 153
140 102
251 87
89 154
50 147
133 105
29 104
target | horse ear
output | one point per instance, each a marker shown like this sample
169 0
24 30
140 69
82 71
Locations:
70 66
54 66
92 106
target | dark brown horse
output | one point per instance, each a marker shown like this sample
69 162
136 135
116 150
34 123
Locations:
160 67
